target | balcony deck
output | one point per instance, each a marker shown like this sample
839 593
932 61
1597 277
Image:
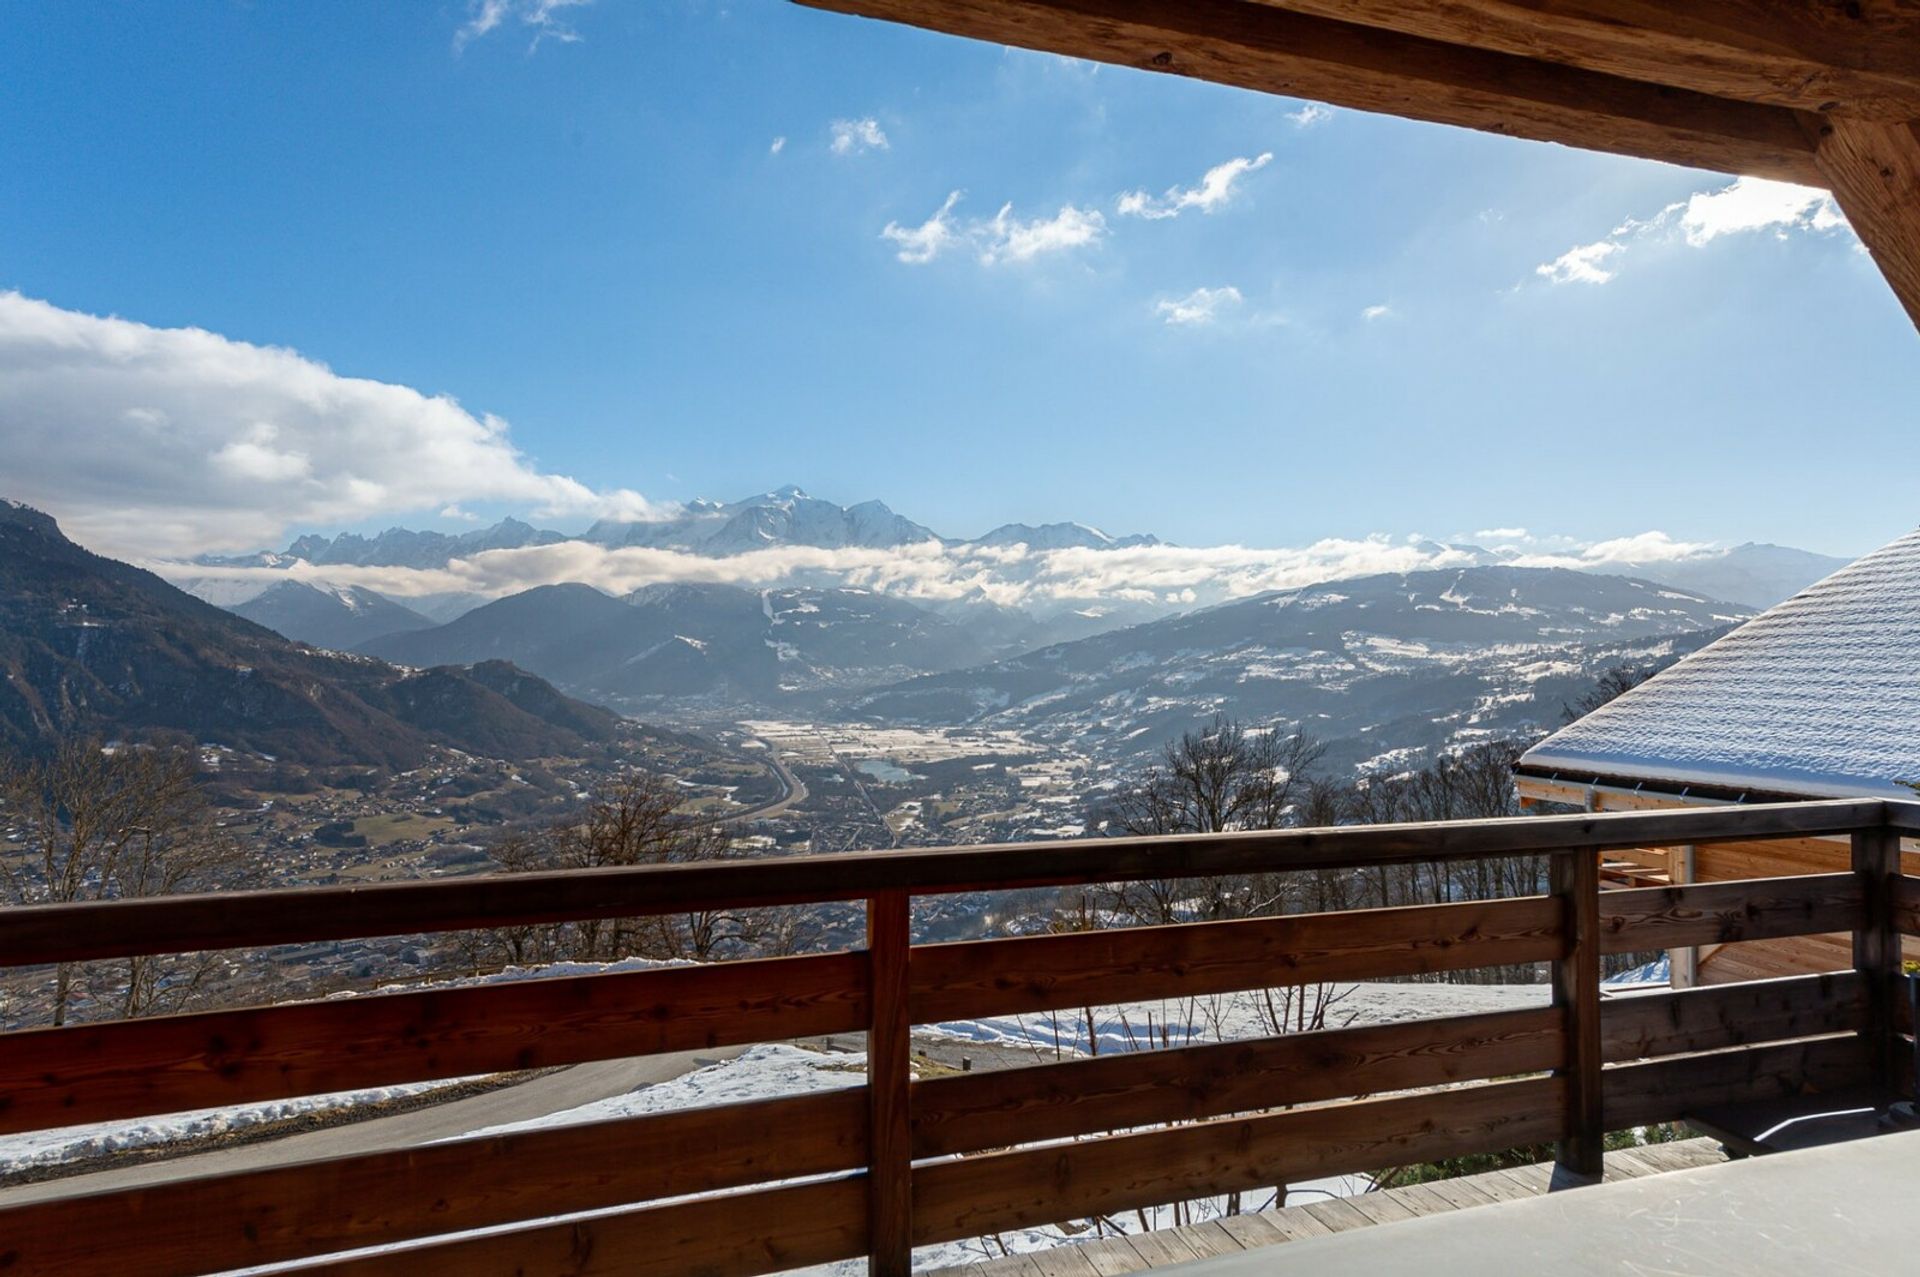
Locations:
1260 1230
874 1171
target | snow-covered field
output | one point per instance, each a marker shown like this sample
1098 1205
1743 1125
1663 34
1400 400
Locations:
83 1143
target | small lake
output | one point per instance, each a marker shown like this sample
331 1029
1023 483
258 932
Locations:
882 770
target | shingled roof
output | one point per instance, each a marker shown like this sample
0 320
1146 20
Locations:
1818 697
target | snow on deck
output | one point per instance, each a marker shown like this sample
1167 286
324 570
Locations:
1817 697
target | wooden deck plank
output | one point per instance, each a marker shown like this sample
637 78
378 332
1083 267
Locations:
1140 1252
1212 1238
1339 1214
1381 1208
1421 1200
1163 1246
1254 1231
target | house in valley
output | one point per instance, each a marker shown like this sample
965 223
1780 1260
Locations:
1818 697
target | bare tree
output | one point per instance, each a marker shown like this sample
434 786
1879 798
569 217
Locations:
634 820
100 823
1613 681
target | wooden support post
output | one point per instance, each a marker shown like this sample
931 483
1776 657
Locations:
1684 963
889 1077
1876 945
1575 879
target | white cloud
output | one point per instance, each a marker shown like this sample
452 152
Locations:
778 145
1001 238
1008 239
1500 534
1201 306
455 512
1380 311
933 570
1745 205
1581 265
1213 192
1309 115
922 243
850 137
175 440
540 19
1754 204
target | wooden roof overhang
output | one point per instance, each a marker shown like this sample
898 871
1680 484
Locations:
1820 92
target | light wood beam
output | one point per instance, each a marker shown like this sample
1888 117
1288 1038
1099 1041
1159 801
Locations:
1257 46
1874 172
1861 59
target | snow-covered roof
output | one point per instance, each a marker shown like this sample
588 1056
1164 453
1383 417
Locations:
1819 696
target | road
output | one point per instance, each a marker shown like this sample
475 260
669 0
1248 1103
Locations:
549 1093
796 790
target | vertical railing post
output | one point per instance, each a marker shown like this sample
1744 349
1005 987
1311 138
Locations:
889 1076
1575 878
1876 945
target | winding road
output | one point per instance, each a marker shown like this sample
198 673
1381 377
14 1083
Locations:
549 1093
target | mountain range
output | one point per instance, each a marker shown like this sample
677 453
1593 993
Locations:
93 646
1379 667
784 517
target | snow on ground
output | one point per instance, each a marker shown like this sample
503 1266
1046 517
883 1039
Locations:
1184 1021
81 1143
763 1072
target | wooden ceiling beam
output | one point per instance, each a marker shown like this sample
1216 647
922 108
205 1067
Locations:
1263 47
1857 57
1873 170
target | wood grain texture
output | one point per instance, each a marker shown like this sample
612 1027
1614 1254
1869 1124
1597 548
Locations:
1721 1016
1004 1107
889 1082
1873 170
1575 978
972 1195
737 1235
1257 46
1906 905
1091 968
95 1072
1644 918
220 1222
227 920
1863 58
1666 1090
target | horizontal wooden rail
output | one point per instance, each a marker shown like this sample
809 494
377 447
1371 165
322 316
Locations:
735 1235
1645 918
220 1222
1667 1090
1903 816
181 924
997 1109
968 1196
129 1068
977 978
1728 1015
1906 905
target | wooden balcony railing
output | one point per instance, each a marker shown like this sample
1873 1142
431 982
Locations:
878 1169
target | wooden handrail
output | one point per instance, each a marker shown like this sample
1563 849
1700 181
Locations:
915 1162
229 920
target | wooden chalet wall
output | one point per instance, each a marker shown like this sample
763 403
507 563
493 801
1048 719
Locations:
1821 92
1731 862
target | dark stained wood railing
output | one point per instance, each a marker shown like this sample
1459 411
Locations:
756 1187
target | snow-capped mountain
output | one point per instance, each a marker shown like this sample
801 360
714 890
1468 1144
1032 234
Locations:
332 616
1059 536
701 646
1405 661
394 548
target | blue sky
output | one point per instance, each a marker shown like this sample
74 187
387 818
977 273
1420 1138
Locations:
586 231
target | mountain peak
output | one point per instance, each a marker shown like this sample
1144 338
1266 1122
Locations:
21 515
